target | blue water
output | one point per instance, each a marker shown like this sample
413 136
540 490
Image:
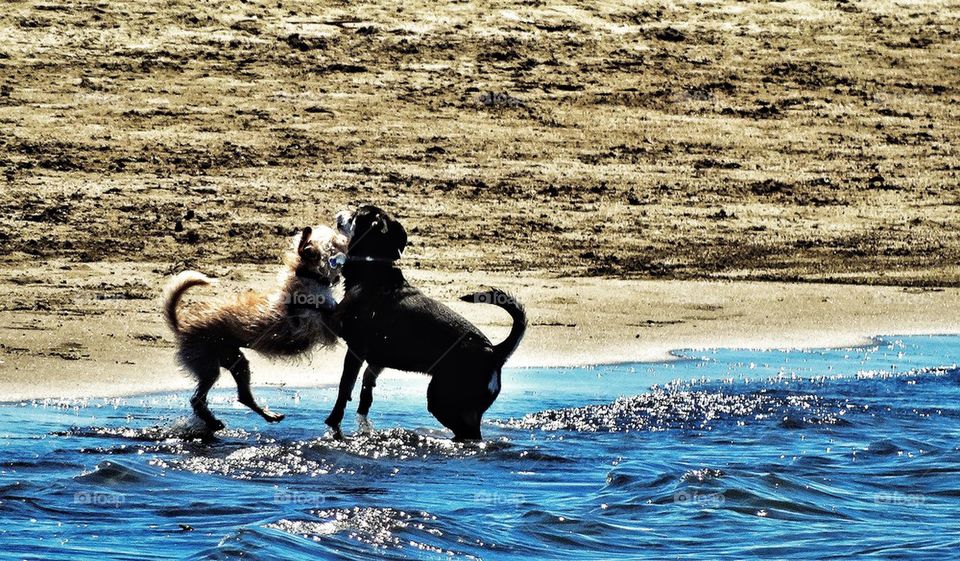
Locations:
827 454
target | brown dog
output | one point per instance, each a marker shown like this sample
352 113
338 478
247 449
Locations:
288 321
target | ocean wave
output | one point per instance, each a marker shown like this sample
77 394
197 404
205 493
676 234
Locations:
664 409
382 529
185 428
112 473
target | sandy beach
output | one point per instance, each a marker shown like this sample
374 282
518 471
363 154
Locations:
787 141
630 171
84 332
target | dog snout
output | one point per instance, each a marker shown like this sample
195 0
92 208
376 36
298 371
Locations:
345 222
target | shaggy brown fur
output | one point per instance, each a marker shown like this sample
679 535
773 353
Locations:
288 321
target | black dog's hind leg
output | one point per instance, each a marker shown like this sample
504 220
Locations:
366 397
469 425
238 365
448 405
351 369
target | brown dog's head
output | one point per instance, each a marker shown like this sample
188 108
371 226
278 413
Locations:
318 253
373 233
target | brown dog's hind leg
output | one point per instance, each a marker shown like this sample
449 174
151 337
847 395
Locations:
238 365
206 373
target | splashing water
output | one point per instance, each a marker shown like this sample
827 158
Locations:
727 454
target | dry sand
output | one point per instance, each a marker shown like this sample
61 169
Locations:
797 140
91 332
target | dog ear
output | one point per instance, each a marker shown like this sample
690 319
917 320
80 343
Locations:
304 239
380 224
399 238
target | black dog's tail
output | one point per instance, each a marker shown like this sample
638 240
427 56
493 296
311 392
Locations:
506 301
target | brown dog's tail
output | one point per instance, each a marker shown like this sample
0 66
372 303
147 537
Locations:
506 301
173 292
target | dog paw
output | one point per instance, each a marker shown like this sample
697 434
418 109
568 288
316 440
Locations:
215 425
272 417
336 433
364 426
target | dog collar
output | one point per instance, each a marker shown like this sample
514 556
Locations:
368 259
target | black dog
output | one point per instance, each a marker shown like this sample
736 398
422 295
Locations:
389 324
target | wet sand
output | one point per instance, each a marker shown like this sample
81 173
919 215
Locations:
87 330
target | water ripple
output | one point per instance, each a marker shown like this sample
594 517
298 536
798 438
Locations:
851 459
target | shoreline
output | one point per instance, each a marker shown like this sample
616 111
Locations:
866 341
74 342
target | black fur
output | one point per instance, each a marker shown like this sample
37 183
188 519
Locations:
387 323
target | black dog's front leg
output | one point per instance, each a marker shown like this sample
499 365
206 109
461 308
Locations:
351 369
366 397
366 391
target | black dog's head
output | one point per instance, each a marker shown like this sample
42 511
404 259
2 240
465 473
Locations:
372 232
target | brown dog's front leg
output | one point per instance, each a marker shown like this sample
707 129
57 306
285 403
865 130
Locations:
351 369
